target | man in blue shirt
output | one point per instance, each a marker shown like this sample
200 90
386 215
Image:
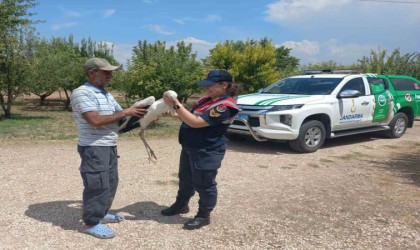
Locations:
97 114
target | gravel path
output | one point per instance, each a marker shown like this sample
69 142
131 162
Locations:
359 192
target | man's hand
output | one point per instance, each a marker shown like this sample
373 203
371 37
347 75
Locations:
138 111
96 120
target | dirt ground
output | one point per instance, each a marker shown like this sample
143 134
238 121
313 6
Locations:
358 192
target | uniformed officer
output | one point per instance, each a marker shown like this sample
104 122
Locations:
201 136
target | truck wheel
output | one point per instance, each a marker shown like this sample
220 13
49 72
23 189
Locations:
311 137
398 125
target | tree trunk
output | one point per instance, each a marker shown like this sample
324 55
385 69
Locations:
3 105
42 98
67 101
8 111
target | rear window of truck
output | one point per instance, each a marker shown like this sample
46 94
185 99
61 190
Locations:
404 84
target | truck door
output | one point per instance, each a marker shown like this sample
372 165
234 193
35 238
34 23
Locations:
354 112
383 99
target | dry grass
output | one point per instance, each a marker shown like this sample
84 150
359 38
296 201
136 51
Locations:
30 121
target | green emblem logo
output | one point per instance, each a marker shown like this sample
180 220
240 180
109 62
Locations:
381 100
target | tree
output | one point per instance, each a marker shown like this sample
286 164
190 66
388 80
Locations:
69 58
380 62
45 69
156 68
257 67
326 65
58 65
252 63
284 61
16 50
226 55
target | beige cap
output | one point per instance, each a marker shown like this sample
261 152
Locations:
98 63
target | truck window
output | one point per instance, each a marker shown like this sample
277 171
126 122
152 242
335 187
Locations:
355 84
377 81
404 84
303 86
374 83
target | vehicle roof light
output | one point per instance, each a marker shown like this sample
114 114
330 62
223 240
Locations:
330 71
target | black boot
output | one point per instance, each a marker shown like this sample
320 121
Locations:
179 207
200 220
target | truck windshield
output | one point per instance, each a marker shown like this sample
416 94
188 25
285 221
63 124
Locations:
303 86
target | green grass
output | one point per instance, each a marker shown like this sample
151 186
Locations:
30 121
38 125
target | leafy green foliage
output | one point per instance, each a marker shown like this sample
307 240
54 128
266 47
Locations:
58 64
255 64
381 63
16 38
47 63
284 61
156 68
327 65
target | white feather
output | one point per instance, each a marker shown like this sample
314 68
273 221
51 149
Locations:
157 109
145 102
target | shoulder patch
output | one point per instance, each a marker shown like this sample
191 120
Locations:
213 113
220 109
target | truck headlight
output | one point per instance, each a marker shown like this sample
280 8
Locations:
286 107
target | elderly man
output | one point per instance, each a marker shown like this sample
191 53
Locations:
97 115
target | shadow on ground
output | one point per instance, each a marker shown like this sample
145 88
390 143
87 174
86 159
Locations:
67 214
48 105
249 145
148 210
405 165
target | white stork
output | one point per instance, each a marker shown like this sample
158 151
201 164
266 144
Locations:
154 111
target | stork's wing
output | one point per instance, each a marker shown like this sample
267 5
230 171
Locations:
132 123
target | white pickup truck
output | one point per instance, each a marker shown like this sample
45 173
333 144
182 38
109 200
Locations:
305 110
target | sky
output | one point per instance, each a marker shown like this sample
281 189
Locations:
315 30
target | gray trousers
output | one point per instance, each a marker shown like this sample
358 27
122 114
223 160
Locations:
99 171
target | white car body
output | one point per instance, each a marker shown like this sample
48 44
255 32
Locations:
280 116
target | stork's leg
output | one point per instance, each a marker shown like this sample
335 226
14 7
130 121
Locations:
149 150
